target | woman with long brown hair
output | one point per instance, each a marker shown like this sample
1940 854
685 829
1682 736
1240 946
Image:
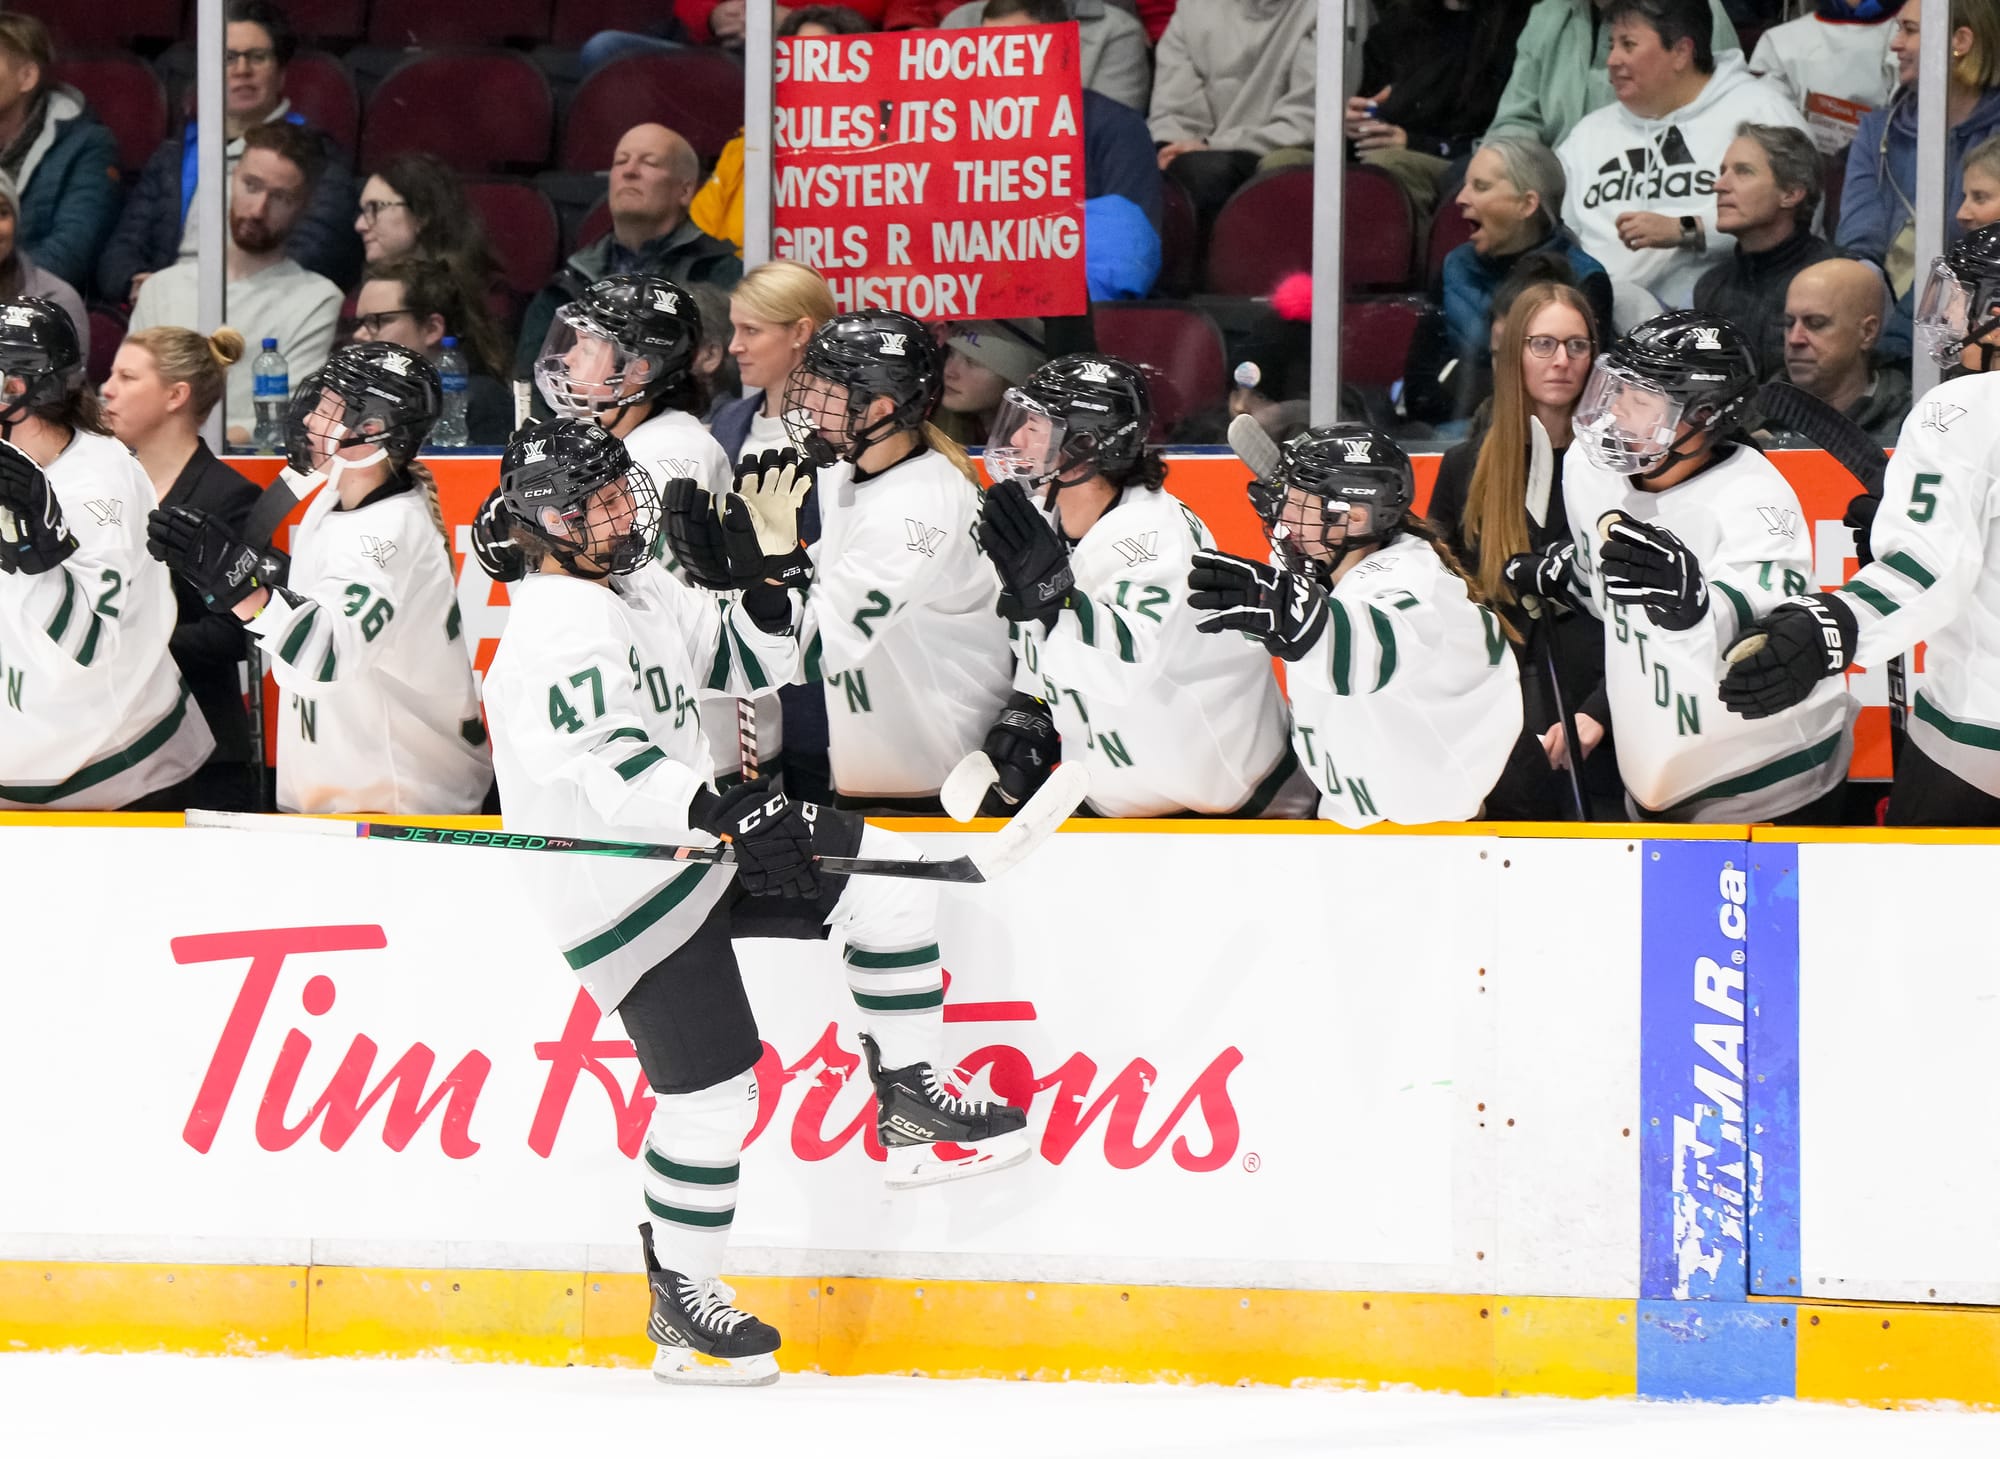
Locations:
1499 497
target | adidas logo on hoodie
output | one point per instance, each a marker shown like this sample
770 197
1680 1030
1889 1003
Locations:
1650 174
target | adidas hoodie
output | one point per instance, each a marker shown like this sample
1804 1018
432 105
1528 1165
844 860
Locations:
1620 162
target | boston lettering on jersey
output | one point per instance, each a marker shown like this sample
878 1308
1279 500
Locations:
1650 174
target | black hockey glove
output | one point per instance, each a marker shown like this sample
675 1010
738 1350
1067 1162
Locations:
221 566
1024 747
1861 517
773 840
1548 575
492 543
1028 552
33 538
1777 662
1287 610
773 487
1650 566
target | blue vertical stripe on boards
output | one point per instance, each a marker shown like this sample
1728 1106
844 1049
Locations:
1773 1089
1718 1352
1694 1156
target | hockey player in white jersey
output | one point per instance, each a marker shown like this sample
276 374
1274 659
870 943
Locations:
95 715
593 696
1112 672
1684 536
623 355
1406 701
361 623
900 623
1930 573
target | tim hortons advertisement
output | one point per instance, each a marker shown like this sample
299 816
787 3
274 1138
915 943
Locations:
222 1046
952 160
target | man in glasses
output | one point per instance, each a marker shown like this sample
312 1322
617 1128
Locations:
158 227
1765 198
269 296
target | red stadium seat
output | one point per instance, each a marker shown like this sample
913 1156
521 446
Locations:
521 225
596 223
104 25
576 21
107 332
323 93
1449 228
1180 349
127 98
330 22
1180 241
698 93
1375 339
481 111
1262 233
413 23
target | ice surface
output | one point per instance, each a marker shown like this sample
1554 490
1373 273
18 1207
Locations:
81 1406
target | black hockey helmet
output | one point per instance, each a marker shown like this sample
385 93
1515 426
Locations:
38 347
1959 299
851 361
1341 467
1074 418
569 483
588 359
1680 374
370 394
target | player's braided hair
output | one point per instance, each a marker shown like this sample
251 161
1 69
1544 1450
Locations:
421 478
1421 529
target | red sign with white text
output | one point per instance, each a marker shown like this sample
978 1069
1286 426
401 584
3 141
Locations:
939 172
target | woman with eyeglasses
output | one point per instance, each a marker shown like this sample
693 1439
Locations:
418 302
1500 496
414 204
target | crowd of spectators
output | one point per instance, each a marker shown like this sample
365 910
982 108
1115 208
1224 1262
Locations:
1626 148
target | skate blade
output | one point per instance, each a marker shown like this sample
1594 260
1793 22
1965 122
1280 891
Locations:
912 1166
685 1367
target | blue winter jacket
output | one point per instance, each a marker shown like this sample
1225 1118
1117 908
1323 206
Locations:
70 203
1470 281
1881 184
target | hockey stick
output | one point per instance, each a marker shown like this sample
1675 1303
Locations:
1038 819
278 501
1542 613
1253 446
1851 450
964 790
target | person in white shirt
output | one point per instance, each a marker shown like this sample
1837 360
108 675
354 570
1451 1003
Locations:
900 622
1833 65
1406 702
267 295
94 714
594 698
1113 674
1642 171
381 710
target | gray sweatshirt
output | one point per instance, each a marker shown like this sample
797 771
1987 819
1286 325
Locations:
1237 74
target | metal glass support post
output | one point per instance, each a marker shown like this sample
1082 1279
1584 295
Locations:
1329 207
760 59
212 191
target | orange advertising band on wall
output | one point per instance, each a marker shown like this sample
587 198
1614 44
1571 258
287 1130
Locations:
1213 485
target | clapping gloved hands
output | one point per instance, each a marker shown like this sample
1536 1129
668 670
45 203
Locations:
1544 578
33 537
1286 610
750 539
221 566
1646 564
1028 553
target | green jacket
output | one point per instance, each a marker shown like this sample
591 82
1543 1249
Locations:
1559 75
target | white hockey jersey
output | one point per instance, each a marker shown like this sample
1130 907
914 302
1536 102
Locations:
1166 719
95 715
1682 756
380 710
1409 705
901 625
1834 71
595 701
1936 575
674 444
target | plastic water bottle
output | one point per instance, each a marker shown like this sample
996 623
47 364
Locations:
273 394
450 429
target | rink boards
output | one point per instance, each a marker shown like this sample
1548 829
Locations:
1704 1116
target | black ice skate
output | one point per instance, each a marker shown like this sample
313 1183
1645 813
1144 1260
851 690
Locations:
932 1133
701 1337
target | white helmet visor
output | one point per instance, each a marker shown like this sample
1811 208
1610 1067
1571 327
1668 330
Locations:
1625 422
1026 442
582 371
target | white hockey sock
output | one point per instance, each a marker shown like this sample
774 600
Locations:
891 956
693 1146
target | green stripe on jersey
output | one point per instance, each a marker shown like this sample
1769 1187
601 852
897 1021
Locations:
89 650
1783 768
1977 736
100 771
295 641
640 763
1738 604
916 957
1910 568
635 922
1881 602
1127 649
1343 632
1086 618
1385 639
752 670
60 623
718 672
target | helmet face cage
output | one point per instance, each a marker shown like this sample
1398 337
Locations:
1027 444
1626 422
1945 313
1308 530
616 523
574 490
583 371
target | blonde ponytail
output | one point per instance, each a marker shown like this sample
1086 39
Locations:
946 447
